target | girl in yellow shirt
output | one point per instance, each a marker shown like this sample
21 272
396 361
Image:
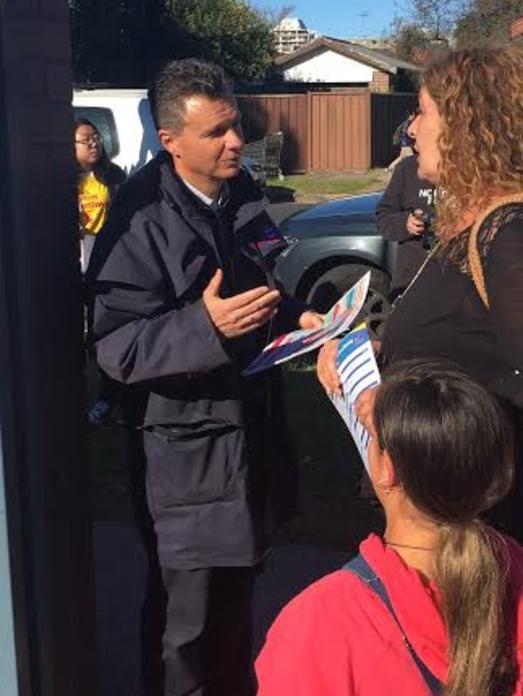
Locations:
98 180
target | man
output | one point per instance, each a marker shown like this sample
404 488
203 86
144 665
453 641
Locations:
403 215
183 300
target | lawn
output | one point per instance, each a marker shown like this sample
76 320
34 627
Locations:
330 184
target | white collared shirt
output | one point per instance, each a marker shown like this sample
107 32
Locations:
203 197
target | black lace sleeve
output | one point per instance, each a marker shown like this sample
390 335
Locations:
504 281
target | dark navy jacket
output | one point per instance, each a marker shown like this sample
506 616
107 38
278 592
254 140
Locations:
405 193
214 440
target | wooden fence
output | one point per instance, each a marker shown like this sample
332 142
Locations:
387 112
327 131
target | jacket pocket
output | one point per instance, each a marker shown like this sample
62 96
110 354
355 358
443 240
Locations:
192 470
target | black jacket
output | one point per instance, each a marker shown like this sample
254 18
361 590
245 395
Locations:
405 193
209 431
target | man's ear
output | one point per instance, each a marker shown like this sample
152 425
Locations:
169 142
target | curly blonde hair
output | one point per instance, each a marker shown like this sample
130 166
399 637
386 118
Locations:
479 95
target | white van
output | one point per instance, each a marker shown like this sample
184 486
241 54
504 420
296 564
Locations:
124 121
123 118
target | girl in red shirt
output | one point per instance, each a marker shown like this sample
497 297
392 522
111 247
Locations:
442 454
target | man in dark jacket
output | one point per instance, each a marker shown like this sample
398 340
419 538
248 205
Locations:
402 216
184 299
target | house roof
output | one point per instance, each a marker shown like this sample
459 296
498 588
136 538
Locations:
381 60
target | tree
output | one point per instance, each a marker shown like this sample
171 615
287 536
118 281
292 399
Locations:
119 42
229 32
123 42
487 22
410 40
425 25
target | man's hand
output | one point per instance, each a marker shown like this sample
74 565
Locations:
239 314
327 369
415 224
310 320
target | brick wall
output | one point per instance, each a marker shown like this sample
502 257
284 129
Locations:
380 82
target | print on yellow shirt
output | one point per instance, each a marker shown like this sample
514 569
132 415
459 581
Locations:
93 200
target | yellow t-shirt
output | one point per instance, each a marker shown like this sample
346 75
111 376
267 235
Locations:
93 200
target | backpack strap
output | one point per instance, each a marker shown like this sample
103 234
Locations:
365 573
476 268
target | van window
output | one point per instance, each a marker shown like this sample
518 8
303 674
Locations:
103 120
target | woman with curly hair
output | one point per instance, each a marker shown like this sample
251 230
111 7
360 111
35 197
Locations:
466 303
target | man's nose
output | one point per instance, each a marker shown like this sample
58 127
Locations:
235 139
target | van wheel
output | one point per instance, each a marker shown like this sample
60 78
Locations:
329 287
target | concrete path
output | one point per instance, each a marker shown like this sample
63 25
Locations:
120 583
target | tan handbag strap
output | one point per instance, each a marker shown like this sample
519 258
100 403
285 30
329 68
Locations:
476 267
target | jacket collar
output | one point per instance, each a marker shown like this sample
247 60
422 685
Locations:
238 192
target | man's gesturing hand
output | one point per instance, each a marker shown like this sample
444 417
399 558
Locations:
239 314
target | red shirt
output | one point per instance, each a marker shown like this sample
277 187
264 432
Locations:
337 638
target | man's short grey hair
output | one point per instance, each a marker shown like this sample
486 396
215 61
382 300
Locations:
180 79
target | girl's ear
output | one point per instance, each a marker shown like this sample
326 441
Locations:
388 478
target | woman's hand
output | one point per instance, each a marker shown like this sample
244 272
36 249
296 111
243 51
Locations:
364 408
327 368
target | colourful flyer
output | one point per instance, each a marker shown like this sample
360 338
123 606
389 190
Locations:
358 371
337 321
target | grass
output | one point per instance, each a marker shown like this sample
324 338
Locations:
343 183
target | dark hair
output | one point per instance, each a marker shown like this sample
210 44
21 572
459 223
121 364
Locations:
180 79
105 171
452 446
101 167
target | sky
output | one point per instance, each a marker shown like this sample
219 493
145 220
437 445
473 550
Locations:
341 19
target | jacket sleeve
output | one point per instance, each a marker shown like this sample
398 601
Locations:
504 283
140 334
390 216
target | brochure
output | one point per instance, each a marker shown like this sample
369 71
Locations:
358 371
337 320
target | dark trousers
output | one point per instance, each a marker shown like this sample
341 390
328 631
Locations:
207 639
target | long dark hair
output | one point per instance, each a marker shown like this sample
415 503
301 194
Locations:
452 446
102 167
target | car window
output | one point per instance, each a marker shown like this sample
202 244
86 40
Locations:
103 120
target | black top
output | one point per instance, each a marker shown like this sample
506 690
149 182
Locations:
405 193
443 316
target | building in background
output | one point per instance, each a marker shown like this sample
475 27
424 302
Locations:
291 34
336 64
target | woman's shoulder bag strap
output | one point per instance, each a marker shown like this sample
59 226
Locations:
476 268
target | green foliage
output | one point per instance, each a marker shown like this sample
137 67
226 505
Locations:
125 41
229 32
429 23
487 22
409 39
118 42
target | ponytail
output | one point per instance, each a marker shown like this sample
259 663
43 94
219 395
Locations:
472 574
452 447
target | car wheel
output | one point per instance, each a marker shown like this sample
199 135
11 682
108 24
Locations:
329 287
